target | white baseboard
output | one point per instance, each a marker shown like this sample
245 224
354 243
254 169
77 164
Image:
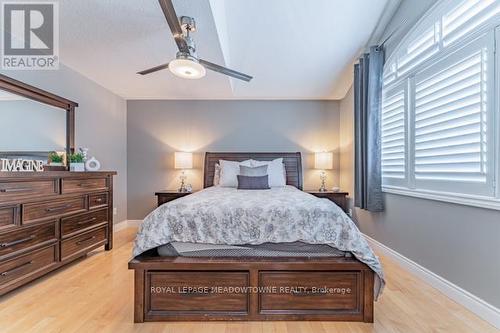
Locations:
475 304
126 224
133 223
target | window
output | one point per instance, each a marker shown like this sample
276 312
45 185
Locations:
393 136
439 106
466 17
419 50
451 116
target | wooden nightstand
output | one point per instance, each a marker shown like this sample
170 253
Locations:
166 196
339 198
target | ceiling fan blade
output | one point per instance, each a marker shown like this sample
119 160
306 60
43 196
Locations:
173 22
154 69
225 70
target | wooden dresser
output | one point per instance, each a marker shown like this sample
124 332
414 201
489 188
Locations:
49 219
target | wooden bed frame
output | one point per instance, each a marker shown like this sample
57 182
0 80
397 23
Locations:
194 289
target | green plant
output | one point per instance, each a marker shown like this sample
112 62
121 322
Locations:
75 158
54 157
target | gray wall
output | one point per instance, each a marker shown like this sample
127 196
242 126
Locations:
459 243
156 129
100 121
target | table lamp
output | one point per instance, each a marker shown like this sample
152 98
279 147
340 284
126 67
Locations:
323 161
183 161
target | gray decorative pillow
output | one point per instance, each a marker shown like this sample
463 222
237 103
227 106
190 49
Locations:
253 172
253 183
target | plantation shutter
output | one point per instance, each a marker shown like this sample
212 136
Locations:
393 126
421 48
451 133
466 17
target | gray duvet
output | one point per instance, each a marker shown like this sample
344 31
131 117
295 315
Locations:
219 215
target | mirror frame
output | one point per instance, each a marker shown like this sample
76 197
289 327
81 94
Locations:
20 88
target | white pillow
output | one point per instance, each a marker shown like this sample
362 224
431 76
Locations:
229 171
275 170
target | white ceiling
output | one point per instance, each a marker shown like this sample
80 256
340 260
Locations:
295 49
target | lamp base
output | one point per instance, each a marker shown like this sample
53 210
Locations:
183 188
323 182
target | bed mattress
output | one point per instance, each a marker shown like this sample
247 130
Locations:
265 250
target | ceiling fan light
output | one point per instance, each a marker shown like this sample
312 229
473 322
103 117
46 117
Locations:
187 69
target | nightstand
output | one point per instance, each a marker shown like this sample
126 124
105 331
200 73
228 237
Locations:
166 196
339 198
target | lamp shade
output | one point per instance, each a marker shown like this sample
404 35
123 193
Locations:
183 160
323 160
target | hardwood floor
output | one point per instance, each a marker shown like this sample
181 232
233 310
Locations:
97 297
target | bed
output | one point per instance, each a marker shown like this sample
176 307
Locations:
228 254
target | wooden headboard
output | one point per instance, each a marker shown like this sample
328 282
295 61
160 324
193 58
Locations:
292 161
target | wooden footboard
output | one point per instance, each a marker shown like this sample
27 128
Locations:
193 289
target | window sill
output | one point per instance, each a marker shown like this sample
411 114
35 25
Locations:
468 200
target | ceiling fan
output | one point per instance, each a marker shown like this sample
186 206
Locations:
186 63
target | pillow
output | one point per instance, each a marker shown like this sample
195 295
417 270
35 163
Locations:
217 174
275 170
253 172
253 183
228 172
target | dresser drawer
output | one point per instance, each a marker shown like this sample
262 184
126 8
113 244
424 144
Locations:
23 238
26 265
191 292
84 185
312 291
56 208
98 200
71 225
82 244
19 189
9 217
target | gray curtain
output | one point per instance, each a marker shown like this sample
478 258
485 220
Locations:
367 105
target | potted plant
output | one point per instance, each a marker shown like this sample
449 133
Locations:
76 162
55 159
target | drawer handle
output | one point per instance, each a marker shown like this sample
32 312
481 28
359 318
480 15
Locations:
84 185
98 200
85 240
309 293
87 221
54 209
10 271
13 190
19 241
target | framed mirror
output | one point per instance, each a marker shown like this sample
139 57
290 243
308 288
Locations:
34 122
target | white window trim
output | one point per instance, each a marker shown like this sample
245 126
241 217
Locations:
488 202
468 200
496 113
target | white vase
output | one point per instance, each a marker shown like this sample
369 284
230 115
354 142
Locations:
77 167
92 164
55 164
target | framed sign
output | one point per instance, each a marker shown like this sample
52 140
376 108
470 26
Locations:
20 165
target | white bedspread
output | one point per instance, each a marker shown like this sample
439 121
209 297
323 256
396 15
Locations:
219 215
